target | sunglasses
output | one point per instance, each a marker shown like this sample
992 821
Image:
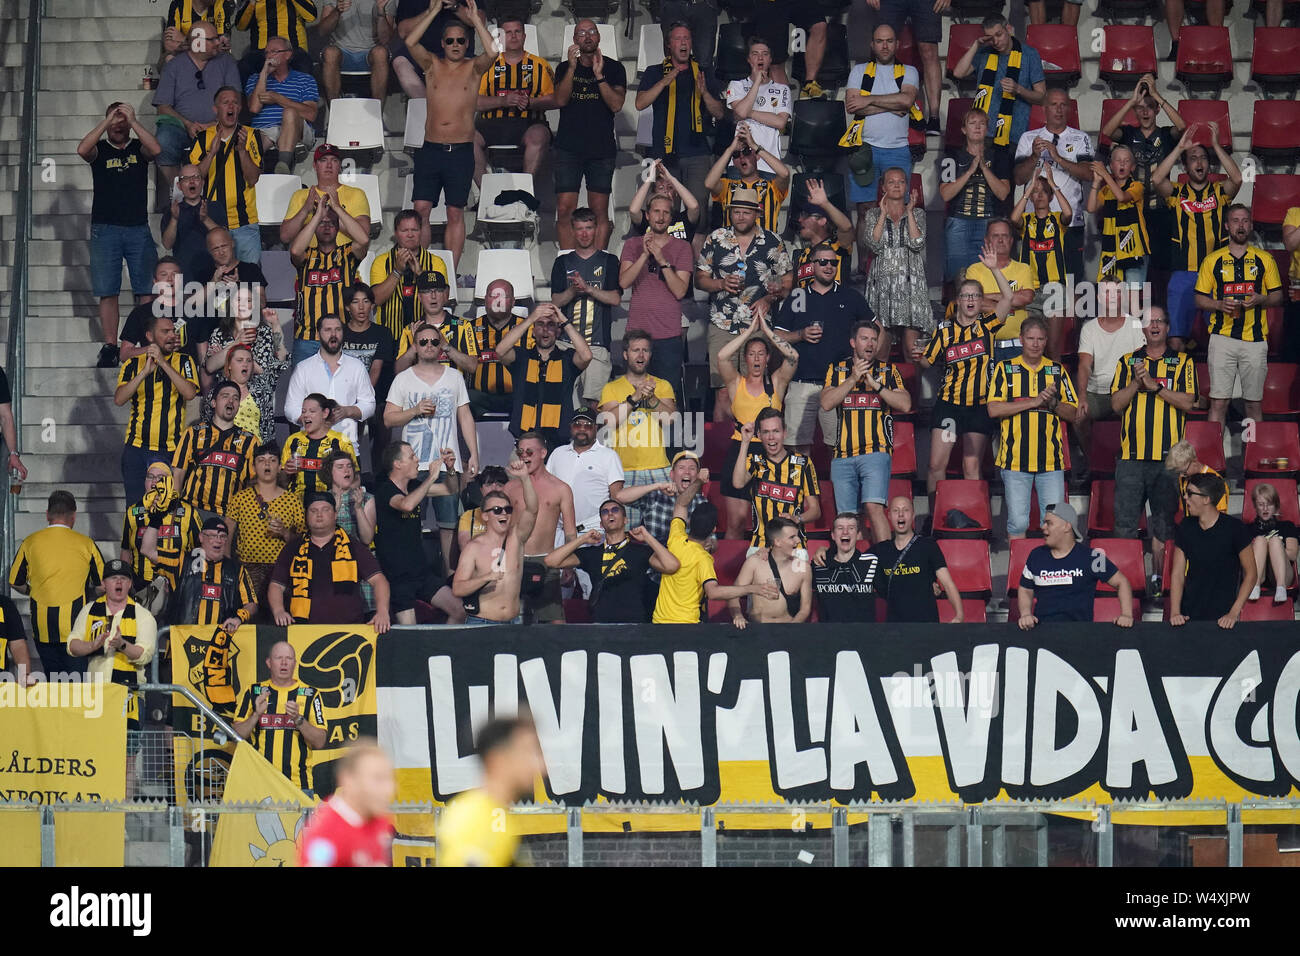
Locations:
611 510
825 262
742 152
455 41
500 510
198 78
427 342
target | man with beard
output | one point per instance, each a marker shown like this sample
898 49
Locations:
492 389
214 589
336 376
490 572
213 461
230 164
634 409
457 346
350 200
593 471
618 561
584 284
745 156
815 220
543 374
325 270
393 275
554 516
657 268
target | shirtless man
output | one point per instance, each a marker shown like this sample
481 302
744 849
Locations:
542 601
445 163
794 603
491 565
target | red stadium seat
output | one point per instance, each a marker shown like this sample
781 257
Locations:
1273 60
1204 58
1127 53
1265 610
728 557
1273 440
1286 494
919 185
717 613
911 384
968 563
906 51
817 546
713 491
1125 554
820 455
1275 129
1038 119
973 611
903 462
826 502
961 37
1203 387
1058 45
1103 449
1101 510
969 497
1206 112
1275 317
1020 548
1109 108
426 613
717 442
1106 609
1281 391
1207 438
953 138
1273 196
576 611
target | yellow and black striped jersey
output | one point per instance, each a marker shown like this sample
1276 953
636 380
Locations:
492 376
157 410
965 352
1223 276
264 19
322 279
182 15
866 424
1042 247
226 185
770 196
216 464
803 266
403 306
1150 426
453 329
59 567
531 75
274 734
311 454
778 488
1124 240
1031 440
1198 214
178 534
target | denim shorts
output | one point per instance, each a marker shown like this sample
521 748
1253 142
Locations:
354 61
571 169
883 159
109 245
472 620
175 143
862 479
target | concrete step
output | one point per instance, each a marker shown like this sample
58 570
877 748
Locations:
72 439
145 26
103 10
135 50
48 228
47 355
105 527
76 76
64 328
72 382
91 469
99 496
79 102
96 411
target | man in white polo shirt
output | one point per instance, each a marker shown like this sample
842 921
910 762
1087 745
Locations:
1069 150
1103 341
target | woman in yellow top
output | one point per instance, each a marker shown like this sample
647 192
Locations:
1118 196
750 393
305 451
262 517
1182 461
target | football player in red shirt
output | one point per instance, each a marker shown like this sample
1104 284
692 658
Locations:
352 827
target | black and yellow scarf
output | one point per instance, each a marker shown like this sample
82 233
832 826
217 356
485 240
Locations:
1123 234
697 120
984 96
853 135
343 569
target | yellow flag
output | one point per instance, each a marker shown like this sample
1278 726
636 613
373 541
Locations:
853 135
258 839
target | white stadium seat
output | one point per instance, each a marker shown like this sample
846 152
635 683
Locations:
281 278
450 262
513 265
356 127
369 184
416 113
496 222
273 193
651 48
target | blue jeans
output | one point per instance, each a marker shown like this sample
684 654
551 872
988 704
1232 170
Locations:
862 479
882 159
1133 274
472 620
109 245
1181 304
135 462
304 349
1017 489
175 143
963 241
248 243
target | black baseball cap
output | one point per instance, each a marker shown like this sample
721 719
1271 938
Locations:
215 524
583 414
117 568
429 280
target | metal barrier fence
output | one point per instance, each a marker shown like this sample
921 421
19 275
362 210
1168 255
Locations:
1030 834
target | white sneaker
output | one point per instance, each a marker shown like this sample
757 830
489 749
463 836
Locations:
1254 594
1279 595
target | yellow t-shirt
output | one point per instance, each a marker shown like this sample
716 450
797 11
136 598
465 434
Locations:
639 441
1019 276
472 521
474 831
1293 219
681 594
354 201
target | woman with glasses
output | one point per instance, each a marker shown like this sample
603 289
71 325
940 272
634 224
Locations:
241 326
355 508
262 518
897 289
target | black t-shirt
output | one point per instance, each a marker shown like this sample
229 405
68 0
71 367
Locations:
191 248
1148 153
191 331
618 578
121 182
909 582
586 123
1213 568
600 271
846 591
836 310
1064 588
5 396
376 342
11 627
398 535
976 199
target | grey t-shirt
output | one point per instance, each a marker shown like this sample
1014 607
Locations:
356 27
178 87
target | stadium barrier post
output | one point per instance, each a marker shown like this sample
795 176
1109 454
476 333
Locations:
47 836
1105 838
954 845
974 838
176 836
575 836
880 840
909 837
840 836
1041 832
1236 836
708 838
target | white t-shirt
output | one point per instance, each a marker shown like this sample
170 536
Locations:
1106 349
589 475
430 434
773 98
883 130
1074 146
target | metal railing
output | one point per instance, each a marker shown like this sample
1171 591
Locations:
19 297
